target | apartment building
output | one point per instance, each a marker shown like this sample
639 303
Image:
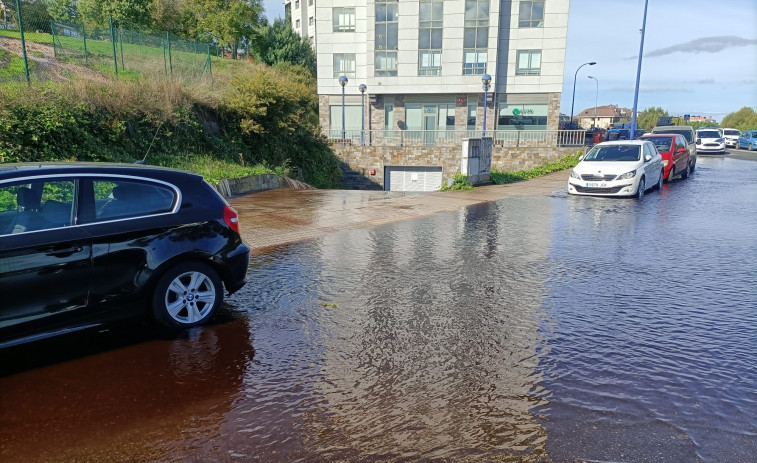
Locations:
422 62
302 15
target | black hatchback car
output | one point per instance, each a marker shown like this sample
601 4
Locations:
85 244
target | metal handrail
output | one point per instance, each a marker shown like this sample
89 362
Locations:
503 138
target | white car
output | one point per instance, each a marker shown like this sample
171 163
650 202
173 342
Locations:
618 168
731 137
710 141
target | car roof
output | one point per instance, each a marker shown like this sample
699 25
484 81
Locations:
16 170
657 135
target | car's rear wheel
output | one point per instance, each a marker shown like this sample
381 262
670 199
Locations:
751 147
187 295
642 187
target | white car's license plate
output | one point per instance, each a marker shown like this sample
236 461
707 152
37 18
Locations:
596 185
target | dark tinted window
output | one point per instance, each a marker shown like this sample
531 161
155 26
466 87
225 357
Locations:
661 143
116 199
708 134
36 205
687 134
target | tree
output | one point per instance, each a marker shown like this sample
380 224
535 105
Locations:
278 43
126 13
62 10
647 118
174 16
743 119
226 21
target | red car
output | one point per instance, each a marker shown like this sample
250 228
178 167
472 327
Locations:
674 151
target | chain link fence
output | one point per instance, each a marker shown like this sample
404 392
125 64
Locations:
30 38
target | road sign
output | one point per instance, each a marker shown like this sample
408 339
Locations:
686 117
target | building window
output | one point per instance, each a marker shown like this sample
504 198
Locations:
344 64
387 18
310 21
521 116
531 14
472 113
388 117
352 117
529 63
386 63
475 36
310 2
430 37
297 24
296 4
344 19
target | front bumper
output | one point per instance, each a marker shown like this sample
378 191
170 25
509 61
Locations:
612 188
731 143
711 148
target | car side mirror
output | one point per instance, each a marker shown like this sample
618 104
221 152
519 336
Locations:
647 157
682 150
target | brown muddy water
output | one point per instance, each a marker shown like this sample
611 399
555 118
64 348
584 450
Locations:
528 329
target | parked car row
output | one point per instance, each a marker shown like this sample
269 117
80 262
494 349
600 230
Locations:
86 244
631 167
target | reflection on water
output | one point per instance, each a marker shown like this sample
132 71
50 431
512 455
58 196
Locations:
531 329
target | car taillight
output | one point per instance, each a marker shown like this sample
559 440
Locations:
231 218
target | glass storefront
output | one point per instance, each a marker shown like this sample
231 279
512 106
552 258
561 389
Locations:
522 116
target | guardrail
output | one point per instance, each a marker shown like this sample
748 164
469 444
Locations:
505 138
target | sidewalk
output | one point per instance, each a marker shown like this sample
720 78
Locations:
277 217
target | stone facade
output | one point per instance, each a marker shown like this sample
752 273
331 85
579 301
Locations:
358 162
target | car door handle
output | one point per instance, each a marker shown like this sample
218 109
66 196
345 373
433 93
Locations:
65 252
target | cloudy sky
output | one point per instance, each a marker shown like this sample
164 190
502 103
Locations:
700 56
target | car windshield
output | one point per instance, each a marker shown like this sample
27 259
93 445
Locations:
662 143
733 132
614 153
685 132
708 134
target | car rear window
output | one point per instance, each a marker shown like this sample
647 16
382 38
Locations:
687 134
116 199
614 153
661 143
708 134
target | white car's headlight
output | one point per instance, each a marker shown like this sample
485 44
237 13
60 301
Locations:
574 174
627 175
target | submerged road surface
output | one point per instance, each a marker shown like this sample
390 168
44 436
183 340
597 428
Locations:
538 327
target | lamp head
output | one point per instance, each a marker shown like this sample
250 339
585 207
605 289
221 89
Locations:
362 88
592 63
486 79
342 81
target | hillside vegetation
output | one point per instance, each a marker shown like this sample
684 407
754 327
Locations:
251 118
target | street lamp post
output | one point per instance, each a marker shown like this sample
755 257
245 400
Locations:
596 99
343 81
362 88
638 72
486 79
572 104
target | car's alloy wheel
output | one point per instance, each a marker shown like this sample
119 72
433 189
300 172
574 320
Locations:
751 147
671 173
642 187
187 295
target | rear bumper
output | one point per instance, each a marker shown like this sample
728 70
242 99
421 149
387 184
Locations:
235 268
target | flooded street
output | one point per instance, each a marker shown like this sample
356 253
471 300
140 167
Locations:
533 328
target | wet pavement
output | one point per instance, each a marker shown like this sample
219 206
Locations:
504 324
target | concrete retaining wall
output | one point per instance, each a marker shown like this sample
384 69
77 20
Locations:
358 162
244 185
